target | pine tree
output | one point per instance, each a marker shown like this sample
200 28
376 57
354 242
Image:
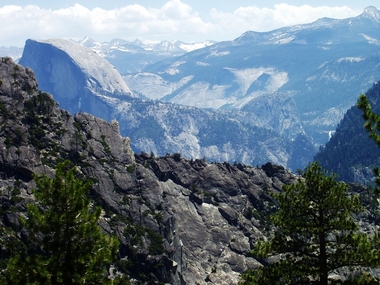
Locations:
66 244
315 233
372 126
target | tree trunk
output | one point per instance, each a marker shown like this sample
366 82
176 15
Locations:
323 274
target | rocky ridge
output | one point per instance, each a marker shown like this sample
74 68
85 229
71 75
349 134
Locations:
178 221
250 136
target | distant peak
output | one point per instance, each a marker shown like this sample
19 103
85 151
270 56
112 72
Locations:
372 13
86 41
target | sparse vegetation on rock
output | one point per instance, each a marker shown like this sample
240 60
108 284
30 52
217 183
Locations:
178 221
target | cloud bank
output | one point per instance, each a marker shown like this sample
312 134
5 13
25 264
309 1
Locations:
174 20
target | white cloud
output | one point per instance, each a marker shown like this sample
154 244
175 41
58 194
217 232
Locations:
174 20
265 19
177 10
9 9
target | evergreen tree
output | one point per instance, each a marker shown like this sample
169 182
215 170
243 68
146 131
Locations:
66 244
315 233
372 126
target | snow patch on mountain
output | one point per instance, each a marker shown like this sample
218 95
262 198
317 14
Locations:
201 63
250 82
195 46
372 13
168 46
154 86
246 77
203 95
316 25
371 40
216 53
173 69
154 46
350 59
282 38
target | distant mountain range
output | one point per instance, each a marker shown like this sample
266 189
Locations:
322 66
131 57
14 52
128 57
82 81
274 96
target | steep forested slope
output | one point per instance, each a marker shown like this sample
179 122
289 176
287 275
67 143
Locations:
350 152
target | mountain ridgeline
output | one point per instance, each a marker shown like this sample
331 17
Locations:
321 67
80 80
273 96
132 57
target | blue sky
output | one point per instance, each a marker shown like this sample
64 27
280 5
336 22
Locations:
155 20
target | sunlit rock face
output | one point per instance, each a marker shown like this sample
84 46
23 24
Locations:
74 74
82 81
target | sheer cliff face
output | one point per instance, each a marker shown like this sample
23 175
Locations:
205 213
74 74
81 80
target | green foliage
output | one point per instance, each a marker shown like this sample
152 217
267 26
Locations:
43 133
136 234
3 111
156 242
351 138
106 147
121 280
315 233
41 104
38 111
66 244
131 168
362 279
77 140
372 126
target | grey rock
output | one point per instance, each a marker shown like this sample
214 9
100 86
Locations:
229 214
82 81
180 221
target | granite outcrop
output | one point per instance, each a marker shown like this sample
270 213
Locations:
179 221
